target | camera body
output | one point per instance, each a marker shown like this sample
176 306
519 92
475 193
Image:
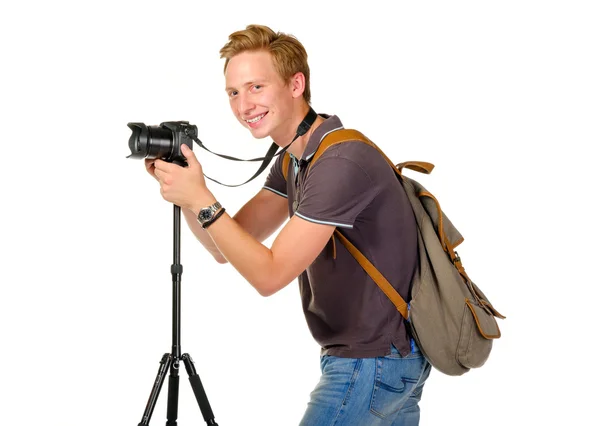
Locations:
163 141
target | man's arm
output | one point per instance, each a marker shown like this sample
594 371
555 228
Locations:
269 270
260 217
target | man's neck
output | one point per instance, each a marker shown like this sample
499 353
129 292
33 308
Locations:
297 148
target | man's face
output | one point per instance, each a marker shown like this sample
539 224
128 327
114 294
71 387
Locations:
258 96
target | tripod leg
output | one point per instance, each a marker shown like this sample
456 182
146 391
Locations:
201 397
173 394
165 362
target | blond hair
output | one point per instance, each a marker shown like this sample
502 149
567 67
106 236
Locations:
289 56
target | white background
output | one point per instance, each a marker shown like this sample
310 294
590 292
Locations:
503 97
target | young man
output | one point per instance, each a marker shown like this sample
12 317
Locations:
372 375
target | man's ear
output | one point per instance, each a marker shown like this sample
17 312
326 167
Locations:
298 84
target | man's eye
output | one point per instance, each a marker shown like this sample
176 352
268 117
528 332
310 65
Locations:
257 87
232 93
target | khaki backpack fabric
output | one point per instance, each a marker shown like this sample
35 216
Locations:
449 317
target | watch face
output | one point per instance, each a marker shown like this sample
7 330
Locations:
205 214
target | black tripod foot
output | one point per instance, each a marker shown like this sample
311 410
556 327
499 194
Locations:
165 363
199 392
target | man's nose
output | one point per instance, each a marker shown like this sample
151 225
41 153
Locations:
246 104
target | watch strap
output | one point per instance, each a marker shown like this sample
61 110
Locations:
214 208
213 220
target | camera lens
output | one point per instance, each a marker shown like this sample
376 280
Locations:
150 141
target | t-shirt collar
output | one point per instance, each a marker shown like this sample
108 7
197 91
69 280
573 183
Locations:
330 124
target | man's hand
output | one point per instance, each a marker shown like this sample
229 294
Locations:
182 186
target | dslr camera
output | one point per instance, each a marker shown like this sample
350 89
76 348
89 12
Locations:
163 141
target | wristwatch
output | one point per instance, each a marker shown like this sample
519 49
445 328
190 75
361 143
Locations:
208 213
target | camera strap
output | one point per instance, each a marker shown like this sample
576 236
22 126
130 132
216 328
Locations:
306 124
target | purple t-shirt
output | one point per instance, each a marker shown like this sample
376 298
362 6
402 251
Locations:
352 187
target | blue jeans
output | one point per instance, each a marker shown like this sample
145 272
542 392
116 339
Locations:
382 391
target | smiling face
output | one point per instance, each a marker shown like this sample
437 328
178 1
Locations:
259 98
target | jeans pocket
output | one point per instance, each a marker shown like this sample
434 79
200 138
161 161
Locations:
395 381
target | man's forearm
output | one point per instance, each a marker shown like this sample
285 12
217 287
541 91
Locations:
202 235
248 256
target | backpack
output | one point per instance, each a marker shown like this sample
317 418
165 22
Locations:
448 316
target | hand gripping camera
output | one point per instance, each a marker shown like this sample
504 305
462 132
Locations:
163 141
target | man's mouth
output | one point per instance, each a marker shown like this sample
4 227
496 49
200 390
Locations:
256 119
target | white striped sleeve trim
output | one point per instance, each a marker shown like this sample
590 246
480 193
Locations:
276 192
324 222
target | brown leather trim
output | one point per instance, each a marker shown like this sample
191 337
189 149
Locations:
457 263
417 166
459 242
333 242
479 325
446 247
345 135
285 164
379 279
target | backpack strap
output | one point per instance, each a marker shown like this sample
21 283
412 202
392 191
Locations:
374 273
346 135
285 165
417 166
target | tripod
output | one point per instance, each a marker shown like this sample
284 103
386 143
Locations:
171 361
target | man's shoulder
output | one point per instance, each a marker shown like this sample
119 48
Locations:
353 150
